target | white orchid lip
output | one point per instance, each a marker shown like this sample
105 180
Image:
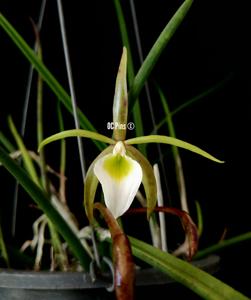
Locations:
120 177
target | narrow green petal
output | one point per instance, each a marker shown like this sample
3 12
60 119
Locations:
171 141
90 185
148 180
74 133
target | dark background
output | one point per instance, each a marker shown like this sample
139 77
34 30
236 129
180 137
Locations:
210 46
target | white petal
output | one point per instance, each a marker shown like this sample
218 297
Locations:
120 177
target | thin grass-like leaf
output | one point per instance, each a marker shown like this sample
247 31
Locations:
176 155
28 163
156 51
199 218
62 156
171 141
3 249
224 244
74 133
202 95
40 129
43 202
45 74
193 100
202 283
6 143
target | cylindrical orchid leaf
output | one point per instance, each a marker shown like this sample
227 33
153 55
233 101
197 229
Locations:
120 102
148 180
28 163
90 185
156 50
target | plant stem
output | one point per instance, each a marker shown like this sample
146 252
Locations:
62 179
40 135
61 257
161 214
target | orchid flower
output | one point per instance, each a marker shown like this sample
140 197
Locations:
120 168
120 177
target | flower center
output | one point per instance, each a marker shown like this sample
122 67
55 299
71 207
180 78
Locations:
117 166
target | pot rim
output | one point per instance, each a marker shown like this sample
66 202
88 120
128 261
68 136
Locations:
42 280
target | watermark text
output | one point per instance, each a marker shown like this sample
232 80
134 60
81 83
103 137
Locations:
120 126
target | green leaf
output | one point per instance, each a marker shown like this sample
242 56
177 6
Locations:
62 155
199 218
224 244
44 203
156 51
202 95
45 74
175 151
28 163
193 100
202 283
6 143
3 249
171 141
74 133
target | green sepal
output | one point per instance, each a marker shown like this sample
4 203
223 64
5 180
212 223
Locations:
120 102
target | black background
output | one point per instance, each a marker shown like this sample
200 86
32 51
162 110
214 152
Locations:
210 46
